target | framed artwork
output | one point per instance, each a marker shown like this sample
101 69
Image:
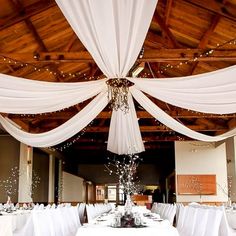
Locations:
196 184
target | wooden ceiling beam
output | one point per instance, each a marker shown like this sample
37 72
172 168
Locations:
69 45
167 11
172 41
64 115
157 128
30 11
205 39
227 10
21 11
232 123
152 55
149 139
36 35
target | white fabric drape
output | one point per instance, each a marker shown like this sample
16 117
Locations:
213 92
167 120
23 96
113 31
124 133
63 132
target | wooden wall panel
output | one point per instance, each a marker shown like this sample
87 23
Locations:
196 184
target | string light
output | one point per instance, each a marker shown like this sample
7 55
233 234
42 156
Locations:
126 169
194 59
70 143
161 71
10 184
47 69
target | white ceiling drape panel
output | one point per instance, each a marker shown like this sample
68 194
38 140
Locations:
23 96
170 122
213 92
63 132
124 133
113 31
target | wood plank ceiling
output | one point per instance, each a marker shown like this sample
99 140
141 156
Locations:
36 42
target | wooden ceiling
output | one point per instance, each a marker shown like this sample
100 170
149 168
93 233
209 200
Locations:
36 42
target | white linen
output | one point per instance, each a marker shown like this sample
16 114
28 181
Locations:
167 120
101 227
10 222
108 231
112 31
124 133
23 96
213 92
63 132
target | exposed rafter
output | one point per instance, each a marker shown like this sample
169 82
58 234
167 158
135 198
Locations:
154 55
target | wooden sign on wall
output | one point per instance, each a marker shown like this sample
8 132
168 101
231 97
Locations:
196 184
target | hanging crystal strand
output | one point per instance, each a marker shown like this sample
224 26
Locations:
118 90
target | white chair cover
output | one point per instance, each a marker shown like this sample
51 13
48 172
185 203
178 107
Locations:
213 221
201 222
225 229
42 222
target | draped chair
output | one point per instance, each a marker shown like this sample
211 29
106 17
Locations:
201 222
42 222
81 211
181 217
213 221
225 229
189 221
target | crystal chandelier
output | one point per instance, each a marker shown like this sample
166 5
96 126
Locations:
118 90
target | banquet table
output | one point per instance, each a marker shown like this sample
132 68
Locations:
10 222
102 226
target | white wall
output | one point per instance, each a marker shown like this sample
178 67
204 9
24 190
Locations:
202 158
73 188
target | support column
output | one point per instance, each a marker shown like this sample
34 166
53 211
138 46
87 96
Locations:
231 167
60 182
51 178
25 169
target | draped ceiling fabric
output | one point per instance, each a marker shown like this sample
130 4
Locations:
167 120
63 132
113 32
213 92
23 96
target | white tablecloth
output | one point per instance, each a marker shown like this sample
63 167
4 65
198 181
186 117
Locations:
153 227
231 217
9 222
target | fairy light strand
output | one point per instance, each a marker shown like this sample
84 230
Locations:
65 74
70 143
126 169
195 58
